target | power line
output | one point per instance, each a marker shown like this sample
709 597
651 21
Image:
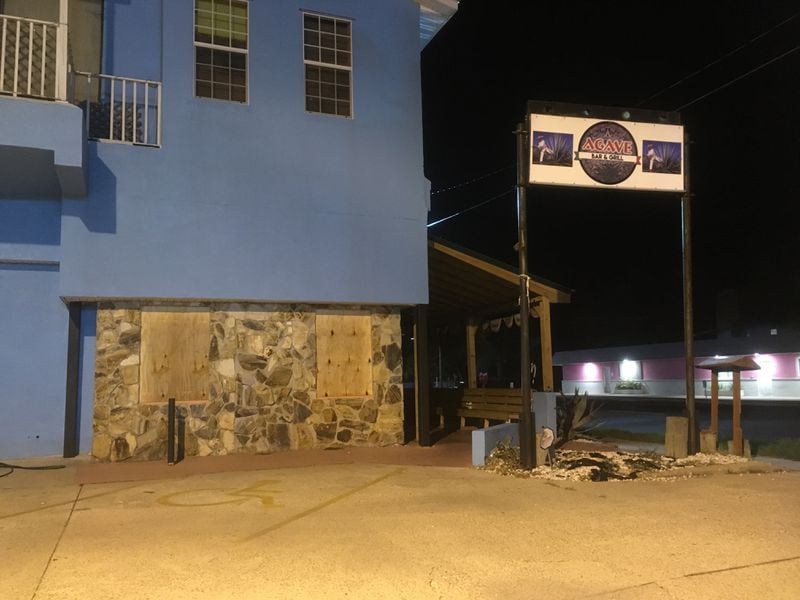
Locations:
473 180
740 77
470 208
720 59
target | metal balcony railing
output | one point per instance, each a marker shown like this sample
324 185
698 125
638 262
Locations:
33 58
34 64
120 109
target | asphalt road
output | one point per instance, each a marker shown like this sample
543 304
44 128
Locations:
763 423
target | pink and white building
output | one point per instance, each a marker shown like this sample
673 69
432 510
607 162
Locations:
658 370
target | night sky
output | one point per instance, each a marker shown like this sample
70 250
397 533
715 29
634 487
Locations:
620 251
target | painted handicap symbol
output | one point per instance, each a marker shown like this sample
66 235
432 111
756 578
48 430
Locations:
202 497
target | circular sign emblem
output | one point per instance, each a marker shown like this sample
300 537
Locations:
608 153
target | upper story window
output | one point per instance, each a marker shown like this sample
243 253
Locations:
220 46
328 61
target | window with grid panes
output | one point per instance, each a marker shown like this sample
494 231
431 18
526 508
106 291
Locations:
328 61
220 46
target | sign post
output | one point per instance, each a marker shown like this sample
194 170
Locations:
628 149
688 309
527 454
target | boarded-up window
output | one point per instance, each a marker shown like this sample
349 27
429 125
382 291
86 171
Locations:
174 360
344 355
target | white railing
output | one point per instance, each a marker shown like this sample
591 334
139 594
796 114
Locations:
33 58
120 109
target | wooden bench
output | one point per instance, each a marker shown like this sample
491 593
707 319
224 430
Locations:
496 404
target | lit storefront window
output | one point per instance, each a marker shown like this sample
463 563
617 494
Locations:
630 370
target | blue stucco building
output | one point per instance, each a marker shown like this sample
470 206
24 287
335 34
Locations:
217 201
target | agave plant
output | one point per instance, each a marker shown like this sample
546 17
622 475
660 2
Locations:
667 156
574 414
562 148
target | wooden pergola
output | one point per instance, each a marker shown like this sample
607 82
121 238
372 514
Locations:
735 365
468 287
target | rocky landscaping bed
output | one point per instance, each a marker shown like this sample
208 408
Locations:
606 465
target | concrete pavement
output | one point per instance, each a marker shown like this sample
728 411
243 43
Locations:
397 531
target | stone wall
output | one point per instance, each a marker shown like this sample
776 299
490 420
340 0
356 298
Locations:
262 387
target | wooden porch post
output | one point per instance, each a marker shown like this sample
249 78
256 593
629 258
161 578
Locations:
714 402
738 442
472 361
545 336
423 378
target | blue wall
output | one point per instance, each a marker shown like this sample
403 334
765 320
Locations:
33 329
55 126
132 38
257 201
41 149
261 201
30 230
33 322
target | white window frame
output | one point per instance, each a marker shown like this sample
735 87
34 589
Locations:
230 49
326 65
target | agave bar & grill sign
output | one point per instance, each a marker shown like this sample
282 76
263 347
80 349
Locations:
598 151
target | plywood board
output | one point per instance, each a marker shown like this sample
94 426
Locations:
344 355
174 355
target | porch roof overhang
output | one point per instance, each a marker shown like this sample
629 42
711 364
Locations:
729 364
433 14
465 283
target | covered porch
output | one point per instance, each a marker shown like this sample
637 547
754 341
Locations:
469 293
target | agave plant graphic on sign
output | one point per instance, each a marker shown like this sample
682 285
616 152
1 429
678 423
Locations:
661 157
553 149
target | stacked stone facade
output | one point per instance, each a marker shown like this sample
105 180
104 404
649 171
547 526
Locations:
261 395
